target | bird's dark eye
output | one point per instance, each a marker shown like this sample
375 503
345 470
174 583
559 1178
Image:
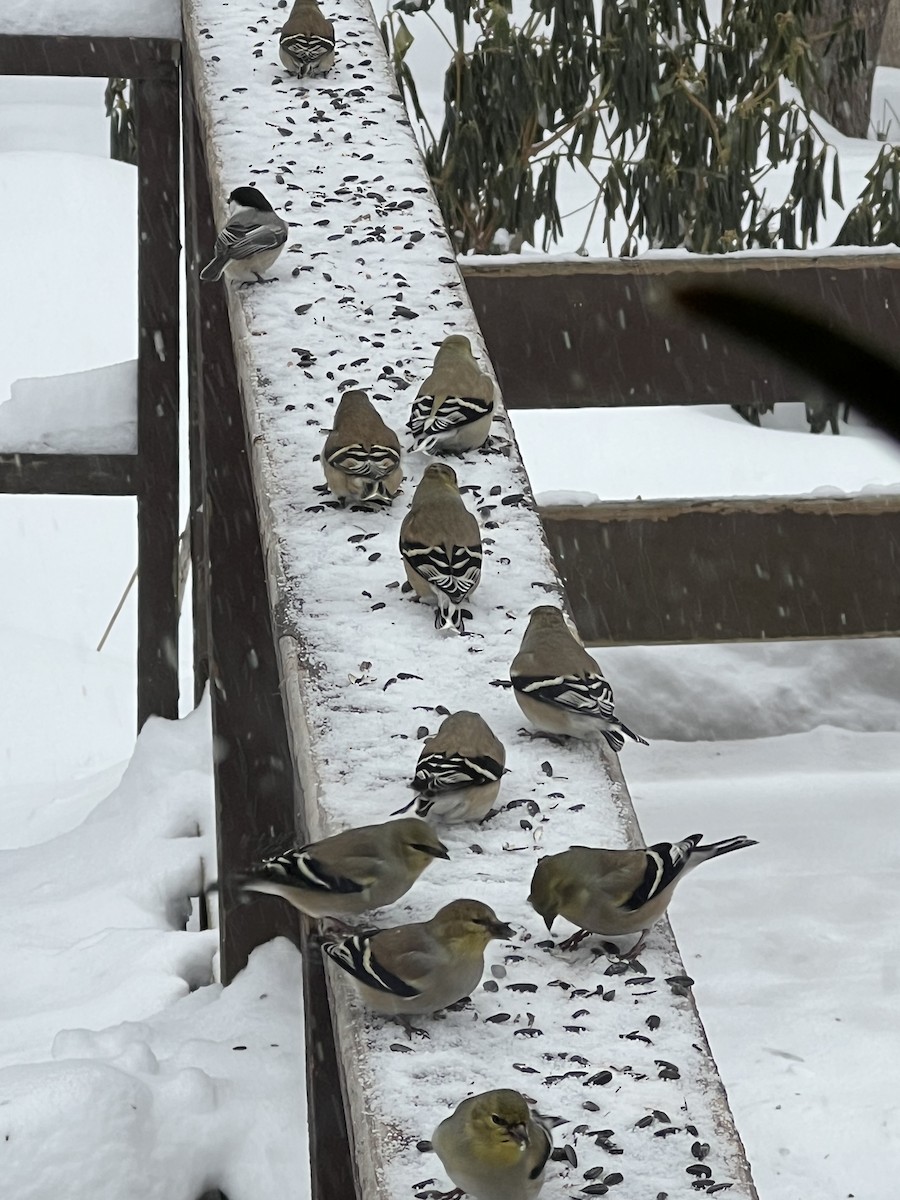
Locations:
498 1120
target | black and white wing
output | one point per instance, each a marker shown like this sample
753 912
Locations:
300 869
419 414
453 414
243 238
306 50
665 862
437 773
542 1127
356 956
452 572
369 462
585 695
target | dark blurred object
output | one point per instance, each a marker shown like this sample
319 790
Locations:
840 361
822 411
753 411
122 124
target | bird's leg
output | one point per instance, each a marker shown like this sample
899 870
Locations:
558 739
262 279
412 1029
575 940
637 947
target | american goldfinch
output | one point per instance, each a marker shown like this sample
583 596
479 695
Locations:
616 892
494 1147
351 872
421 967
441 546
455 404
459 770
306 44
252 239
362 455
559 687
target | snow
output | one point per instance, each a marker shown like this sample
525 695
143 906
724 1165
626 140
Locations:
702 451
97 18
793 945
65 190
87 412
118 1052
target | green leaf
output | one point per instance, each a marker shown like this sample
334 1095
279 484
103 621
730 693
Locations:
403 39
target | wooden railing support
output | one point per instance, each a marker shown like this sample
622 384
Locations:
152 474
256 808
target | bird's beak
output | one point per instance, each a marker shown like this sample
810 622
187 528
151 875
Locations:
499 929
438 851
519 1134
548 914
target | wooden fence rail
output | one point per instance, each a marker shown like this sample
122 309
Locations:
152 474
739 570
601 333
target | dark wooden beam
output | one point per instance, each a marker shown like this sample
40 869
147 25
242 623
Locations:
99 57
736 570
157 106
254 778
199 236
602 334
258 806
68 474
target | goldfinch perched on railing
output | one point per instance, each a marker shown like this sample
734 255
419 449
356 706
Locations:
351 872
459 770
421 967
441 546
618 892
494 1147
306 43
559 687
361 457
455 404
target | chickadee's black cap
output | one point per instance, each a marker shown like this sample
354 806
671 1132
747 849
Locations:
250 197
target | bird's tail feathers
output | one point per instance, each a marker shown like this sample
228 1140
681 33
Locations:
635 737
427 444
616 741
714 849
448 617
377 495
406 807
213 270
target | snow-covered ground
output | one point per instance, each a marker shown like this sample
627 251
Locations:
128 1072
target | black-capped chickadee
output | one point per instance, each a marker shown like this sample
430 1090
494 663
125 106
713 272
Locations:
251 240
306 45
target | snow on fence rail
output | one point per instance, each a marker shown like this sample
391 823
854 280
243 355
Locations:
368 285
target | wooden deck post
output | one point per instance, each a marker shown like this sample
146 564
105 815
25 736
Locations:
152 474
156 102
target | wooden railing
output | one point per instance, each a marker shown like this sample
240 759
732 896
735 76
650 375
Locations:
260 556
152 473
605 335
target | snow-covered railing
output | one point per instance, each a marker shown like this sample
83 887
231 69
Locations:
366 288
97 43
